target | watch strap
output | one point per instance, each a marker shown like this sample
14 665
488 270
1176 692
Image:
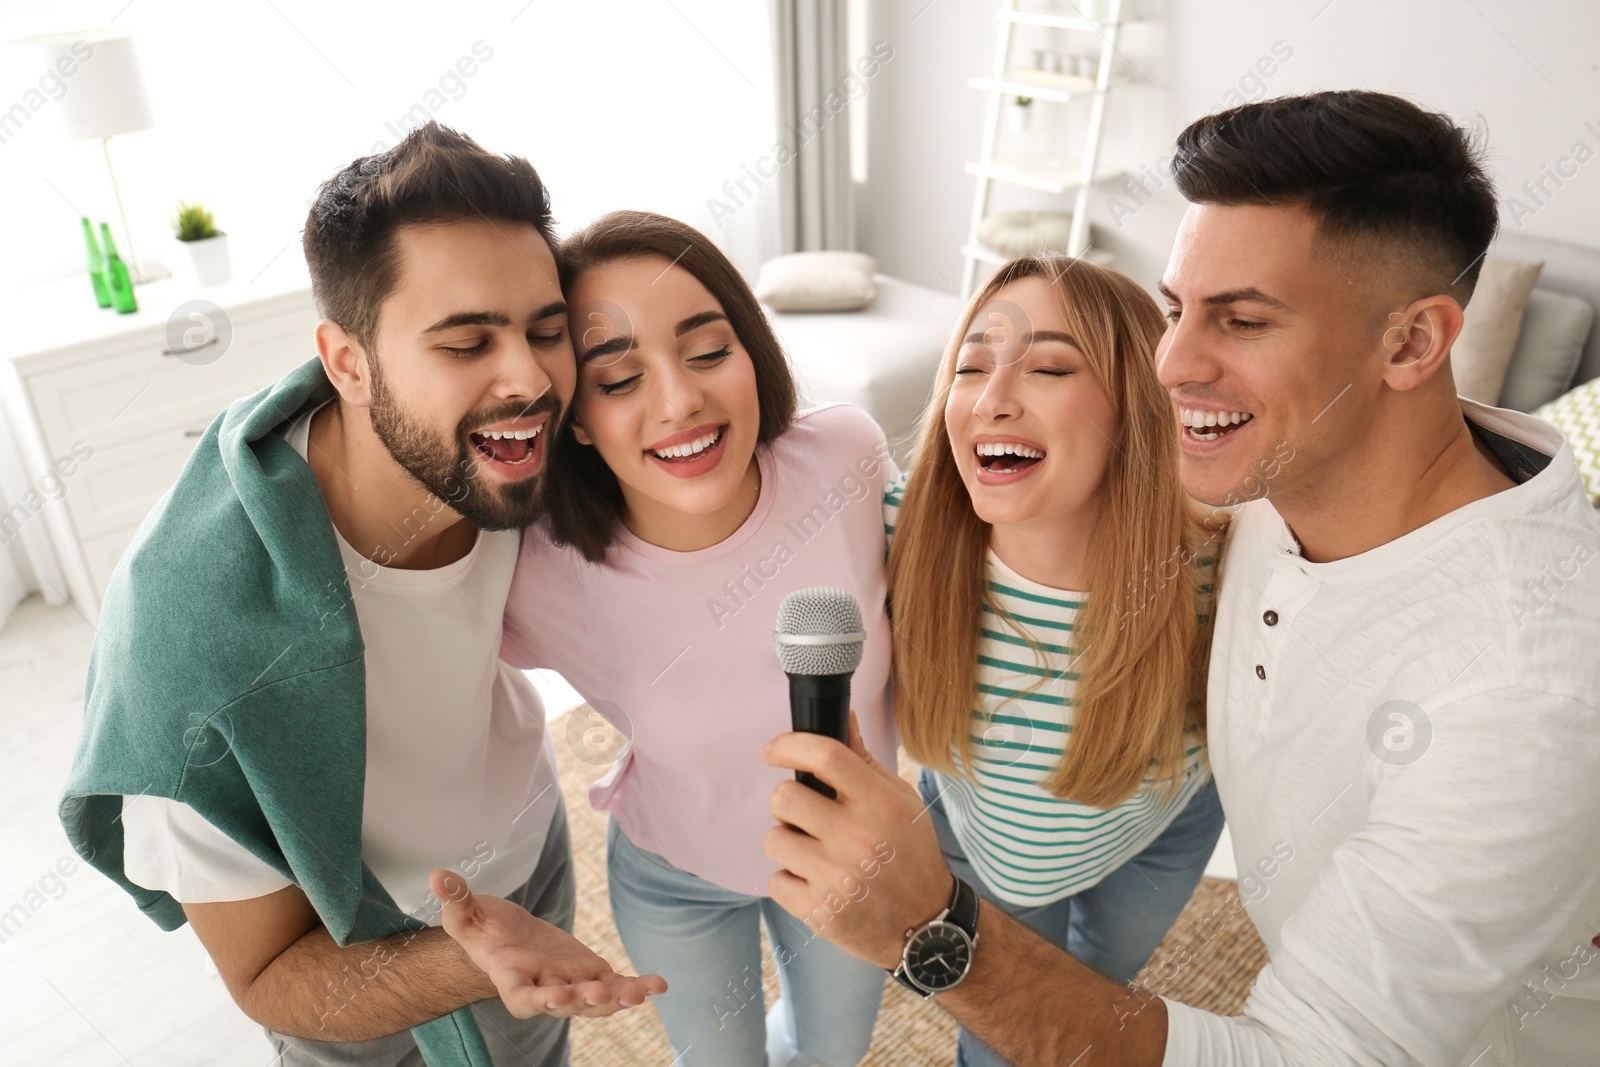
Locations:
964 909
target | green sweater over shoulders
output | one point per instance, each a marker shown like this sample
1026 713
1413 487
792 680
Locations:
228 673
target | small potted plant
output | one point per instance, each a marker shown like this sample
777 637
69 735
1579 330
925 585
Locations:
1018 113
206 245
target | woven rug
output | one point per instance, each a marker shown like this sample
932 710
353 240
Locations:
1209 958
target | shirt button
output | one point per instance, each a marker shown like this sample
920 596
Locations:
1261 672
1270 618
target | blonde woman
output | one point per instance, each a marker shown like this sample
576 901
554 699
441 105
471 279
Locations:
1048 583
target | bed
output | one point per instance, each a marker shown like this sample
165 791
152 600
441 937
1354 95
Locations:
881 358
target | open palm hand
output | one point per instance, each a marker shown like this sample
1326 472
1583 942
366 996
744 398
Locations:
538 968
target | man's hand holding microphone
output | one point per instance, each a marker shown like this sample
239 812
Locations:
828 829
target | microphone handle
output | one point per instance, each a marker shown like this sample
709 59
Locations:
820 704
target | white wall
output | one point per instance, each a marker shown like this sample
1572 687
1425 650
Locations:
1523 71
627 103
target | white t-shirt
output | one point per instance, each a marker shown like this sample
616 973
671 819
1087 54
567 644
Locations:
459 772
1407 746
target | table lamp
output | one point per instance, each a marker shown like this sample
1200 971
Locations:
105 96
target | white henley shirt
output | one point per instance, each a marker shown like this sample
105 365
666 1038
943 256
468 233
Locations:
1407 745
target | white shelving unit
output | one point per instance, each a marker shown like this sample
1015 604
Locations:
1074 172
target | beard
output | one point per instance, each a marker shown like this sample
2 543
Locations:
450 470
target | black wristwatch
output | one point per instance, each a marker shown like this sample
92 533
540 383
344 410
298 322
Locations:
938 954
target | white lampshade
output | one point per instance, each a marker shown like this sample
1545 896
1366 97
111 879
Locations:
105 90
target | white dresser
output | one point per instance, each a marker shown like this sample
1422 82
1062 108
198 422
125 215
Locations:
107 408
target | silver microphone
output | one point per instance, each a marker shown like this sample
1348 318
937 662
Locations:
820 639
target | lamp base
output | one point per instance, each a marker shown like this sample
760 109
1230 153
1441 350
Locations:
154 271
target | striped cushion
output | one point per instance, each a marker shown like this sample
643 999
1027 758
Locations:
1577 415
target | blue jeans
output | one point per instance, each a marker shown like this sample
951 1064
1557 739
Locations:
1115 925
706 942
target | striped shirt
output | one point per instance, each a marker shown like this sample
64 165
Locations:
1029 846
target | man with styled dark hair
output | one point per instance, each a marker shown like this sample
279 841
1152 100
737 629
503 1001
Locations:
296 714
1408 755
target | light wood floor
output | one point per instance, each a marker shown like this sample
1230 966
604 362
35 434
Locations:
86 980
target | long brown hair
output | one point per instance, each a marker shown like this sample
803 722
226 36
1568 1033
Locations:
582 498
1140 652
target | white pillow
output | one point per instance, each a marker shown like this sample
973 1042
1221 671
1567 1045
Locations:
818 281
1493 319
1026 233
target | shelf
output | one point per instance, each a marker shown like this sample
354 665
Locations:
1042 18
1059 88
1098 256
1057 167
1063 22
1058 179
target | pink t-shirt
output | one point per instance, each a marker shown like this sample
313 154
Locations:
681 644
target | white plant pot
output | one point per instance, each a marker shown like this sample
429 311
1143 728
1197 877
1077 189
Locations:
208 260
1017 117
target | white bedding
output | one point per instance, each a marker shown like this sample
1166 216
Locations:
881 358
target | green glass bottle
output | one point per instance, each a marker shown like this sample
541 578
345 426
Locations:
116 275
97 265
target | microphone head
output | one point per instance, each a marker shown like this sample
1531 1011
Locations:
819 632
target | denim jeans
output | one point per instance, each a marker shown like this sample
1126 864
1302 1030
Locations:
1115 925
706 942
551 894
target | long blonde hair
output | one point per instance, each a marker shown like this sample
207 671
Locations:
1139 651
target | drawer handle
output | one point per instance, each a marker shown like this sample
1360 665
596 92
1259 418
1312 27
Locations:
194 433
191 351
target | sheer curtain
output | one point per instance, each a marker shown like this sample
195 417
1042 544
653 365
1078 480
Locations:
814 87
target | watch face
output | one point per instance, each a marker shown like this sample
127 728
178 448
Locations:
938 955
